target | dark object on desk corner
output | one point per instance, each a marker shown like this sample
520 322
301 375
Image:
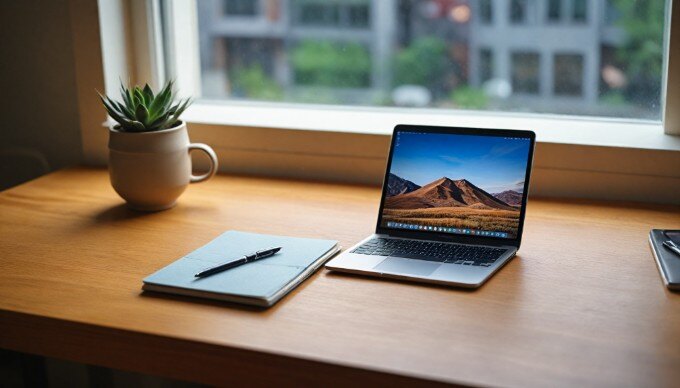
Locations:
667 260
259 255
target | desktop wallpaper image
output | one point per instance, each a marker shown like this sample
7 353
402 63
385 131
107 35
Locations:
467 182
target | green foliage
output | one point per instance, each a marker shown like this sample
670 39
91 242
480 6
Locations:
329 64
643 22
423 63
143 111
613 98
254 83
469 98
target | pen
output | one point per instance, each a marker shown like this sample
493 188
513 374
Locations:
672 246
240 261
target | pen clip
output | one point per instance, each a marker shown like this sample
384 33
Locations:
260 253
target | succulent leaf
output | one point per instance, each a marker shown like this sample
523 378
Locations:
124 110
139 96
148 93
142 114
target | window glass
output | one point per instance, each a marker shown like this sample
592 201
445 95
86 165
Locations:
525 72
568 74
444 54
318 14
240 7
358 15
554 10
485 11
580 10
518 11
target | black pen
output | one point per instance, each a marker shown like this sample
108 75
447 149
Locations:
240 261
672 246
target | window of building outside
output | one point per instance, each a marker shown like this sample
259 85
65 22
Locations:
240 7
485 11
521 11
568 74
525 72
331 14
443 54
554 10
579 11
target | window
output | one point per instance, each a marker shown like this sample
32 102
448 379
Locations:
240 7
521 11
426 54
525 72
485 64
554 10
332 13
568 74
318 14
485 11
580 10
358 15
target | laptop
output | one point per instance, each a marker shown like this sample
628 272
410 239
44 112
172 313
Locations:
452 207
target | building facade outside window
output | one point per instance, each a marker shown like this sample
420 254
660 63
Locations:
447 54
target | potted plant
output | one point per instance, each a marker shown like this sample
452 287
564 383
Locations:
149 161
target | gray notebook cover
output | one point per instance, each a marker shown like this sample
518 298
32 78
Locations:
667 261
261 282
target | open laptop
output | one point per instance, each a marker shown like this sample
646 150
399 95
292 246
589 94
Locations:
452 208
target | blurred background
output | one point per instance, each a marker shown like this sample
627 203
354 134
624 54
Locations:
575 57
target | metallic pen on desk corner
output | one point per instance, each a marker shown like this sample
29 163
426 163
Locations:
261 254
672 246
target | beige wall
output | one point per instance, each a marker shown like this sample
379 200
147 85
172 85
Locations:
39 122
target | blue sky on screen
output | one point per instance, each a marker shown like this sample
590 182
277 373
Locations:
494 164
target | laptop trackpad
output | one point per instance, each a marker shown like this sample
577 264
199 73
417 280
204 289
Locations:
400 266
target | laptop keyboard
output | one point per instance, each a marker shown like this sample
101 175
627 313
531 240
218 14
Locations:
431 251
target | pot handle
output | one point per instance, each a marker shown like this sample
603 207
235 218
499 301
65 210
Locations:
213 162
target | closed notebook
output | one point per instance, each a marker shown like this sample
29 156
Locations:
261 283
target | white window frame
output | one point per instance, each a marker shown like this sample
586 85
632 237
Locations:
633 150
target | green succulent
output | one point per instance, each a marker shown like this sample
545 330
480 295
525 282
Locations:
143 111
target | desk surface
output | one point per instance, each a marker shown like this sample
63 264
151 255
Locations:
582 304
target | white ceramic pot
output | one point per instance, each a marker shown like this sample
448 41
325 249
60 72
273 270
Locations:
150 170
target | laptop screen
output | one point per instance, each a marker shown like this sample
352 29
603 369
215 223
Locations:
464 184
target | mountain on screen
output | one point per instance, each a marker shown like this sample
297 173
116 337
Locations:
511 197
445 192
397 185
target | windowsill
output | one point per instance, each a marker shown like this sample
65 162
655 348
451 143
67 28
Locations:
588 131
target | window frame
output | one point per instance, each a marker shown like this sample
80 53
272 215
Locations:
301 131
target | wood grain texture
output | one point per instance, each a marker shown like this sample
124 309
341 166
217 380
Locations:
582 304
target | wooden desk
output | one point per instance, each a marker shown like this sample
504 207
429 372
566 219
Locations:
583 303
